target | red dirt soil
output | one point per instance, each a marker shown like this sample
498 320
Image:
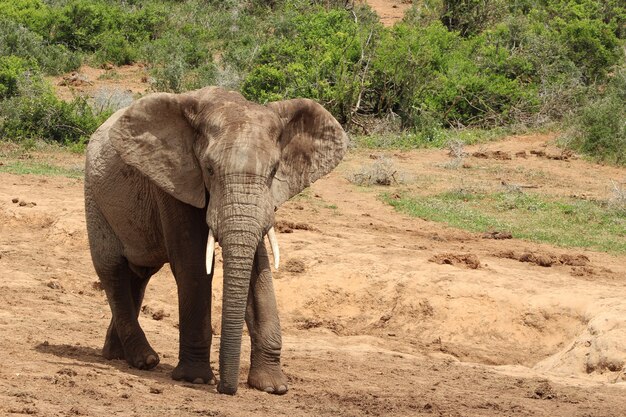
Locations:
371 327
390 11
382 314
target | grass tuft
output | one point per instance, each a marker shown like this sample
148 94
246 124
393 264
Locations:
37 168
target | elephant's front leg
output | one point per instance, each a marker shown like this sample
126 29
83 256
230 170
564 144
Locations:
264 328
194 306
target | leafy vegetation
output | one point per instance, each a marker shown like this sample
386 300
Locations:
600 126
562 222
448 64
30 110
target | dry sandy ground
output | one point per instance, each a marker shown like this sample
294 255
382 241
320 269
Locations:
371 325
390 11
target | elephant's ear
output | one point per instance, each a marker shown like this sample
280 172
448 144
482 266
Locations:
312 144
155 136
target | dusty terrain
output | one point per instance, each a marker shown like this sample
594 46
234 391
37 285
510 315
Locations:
382 314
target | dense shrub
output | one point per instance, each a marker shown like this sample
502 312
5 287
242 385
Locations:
180 60
112 31
609 12
318 55
18 40
34 112
12 69
486 63
592 46
432 77
599 128
33 14
470 17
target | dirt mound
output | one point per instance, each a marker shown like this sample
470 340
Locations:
286 226
497 235
545 259
295 265
500 155
598 350
563 155
468 260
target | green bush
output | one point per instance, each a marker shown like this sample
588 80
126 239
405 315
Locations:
114 47
610 12
319 55
12 68
111 30
432 77
592 46
470 17
180 61
599 128
17 40
36 15
34 112
83 25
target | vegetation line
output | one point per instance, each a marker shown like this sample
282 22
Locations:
449 66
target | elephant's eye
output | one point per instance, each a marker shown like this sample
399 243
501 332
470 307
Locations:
274 170
209 170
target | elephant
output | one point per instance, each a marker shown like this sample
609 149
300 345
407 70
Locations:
168 177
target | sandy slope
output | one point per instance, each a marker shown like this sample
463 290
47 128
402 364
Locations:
372 327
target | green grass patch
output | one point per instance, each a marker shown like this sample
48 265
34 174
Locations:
561 222
37 168
437 138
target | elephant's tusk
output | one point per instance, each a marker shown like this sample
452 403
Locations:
271 235
210 249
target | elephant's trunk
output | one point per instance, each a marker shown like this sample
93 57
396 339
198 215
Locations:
240 231
238 259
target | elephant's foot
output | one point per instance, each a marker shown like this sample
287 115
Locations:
113 347
194 372
140 355
268 378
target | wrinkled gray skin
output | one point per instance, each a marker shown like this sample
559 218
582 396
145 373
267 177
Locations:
163 171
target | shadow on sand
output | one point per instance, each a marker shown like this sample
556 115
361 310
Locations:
89 357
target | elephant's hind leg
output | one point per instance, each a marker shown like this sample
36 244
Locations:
113 348
264 328
124 331
124 290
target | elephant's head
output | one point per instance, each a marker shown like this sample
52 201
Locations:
248 157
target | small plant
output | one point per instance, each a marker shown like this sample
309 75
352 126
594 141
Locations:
618 197
380 172
111 99
456 152
109 75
